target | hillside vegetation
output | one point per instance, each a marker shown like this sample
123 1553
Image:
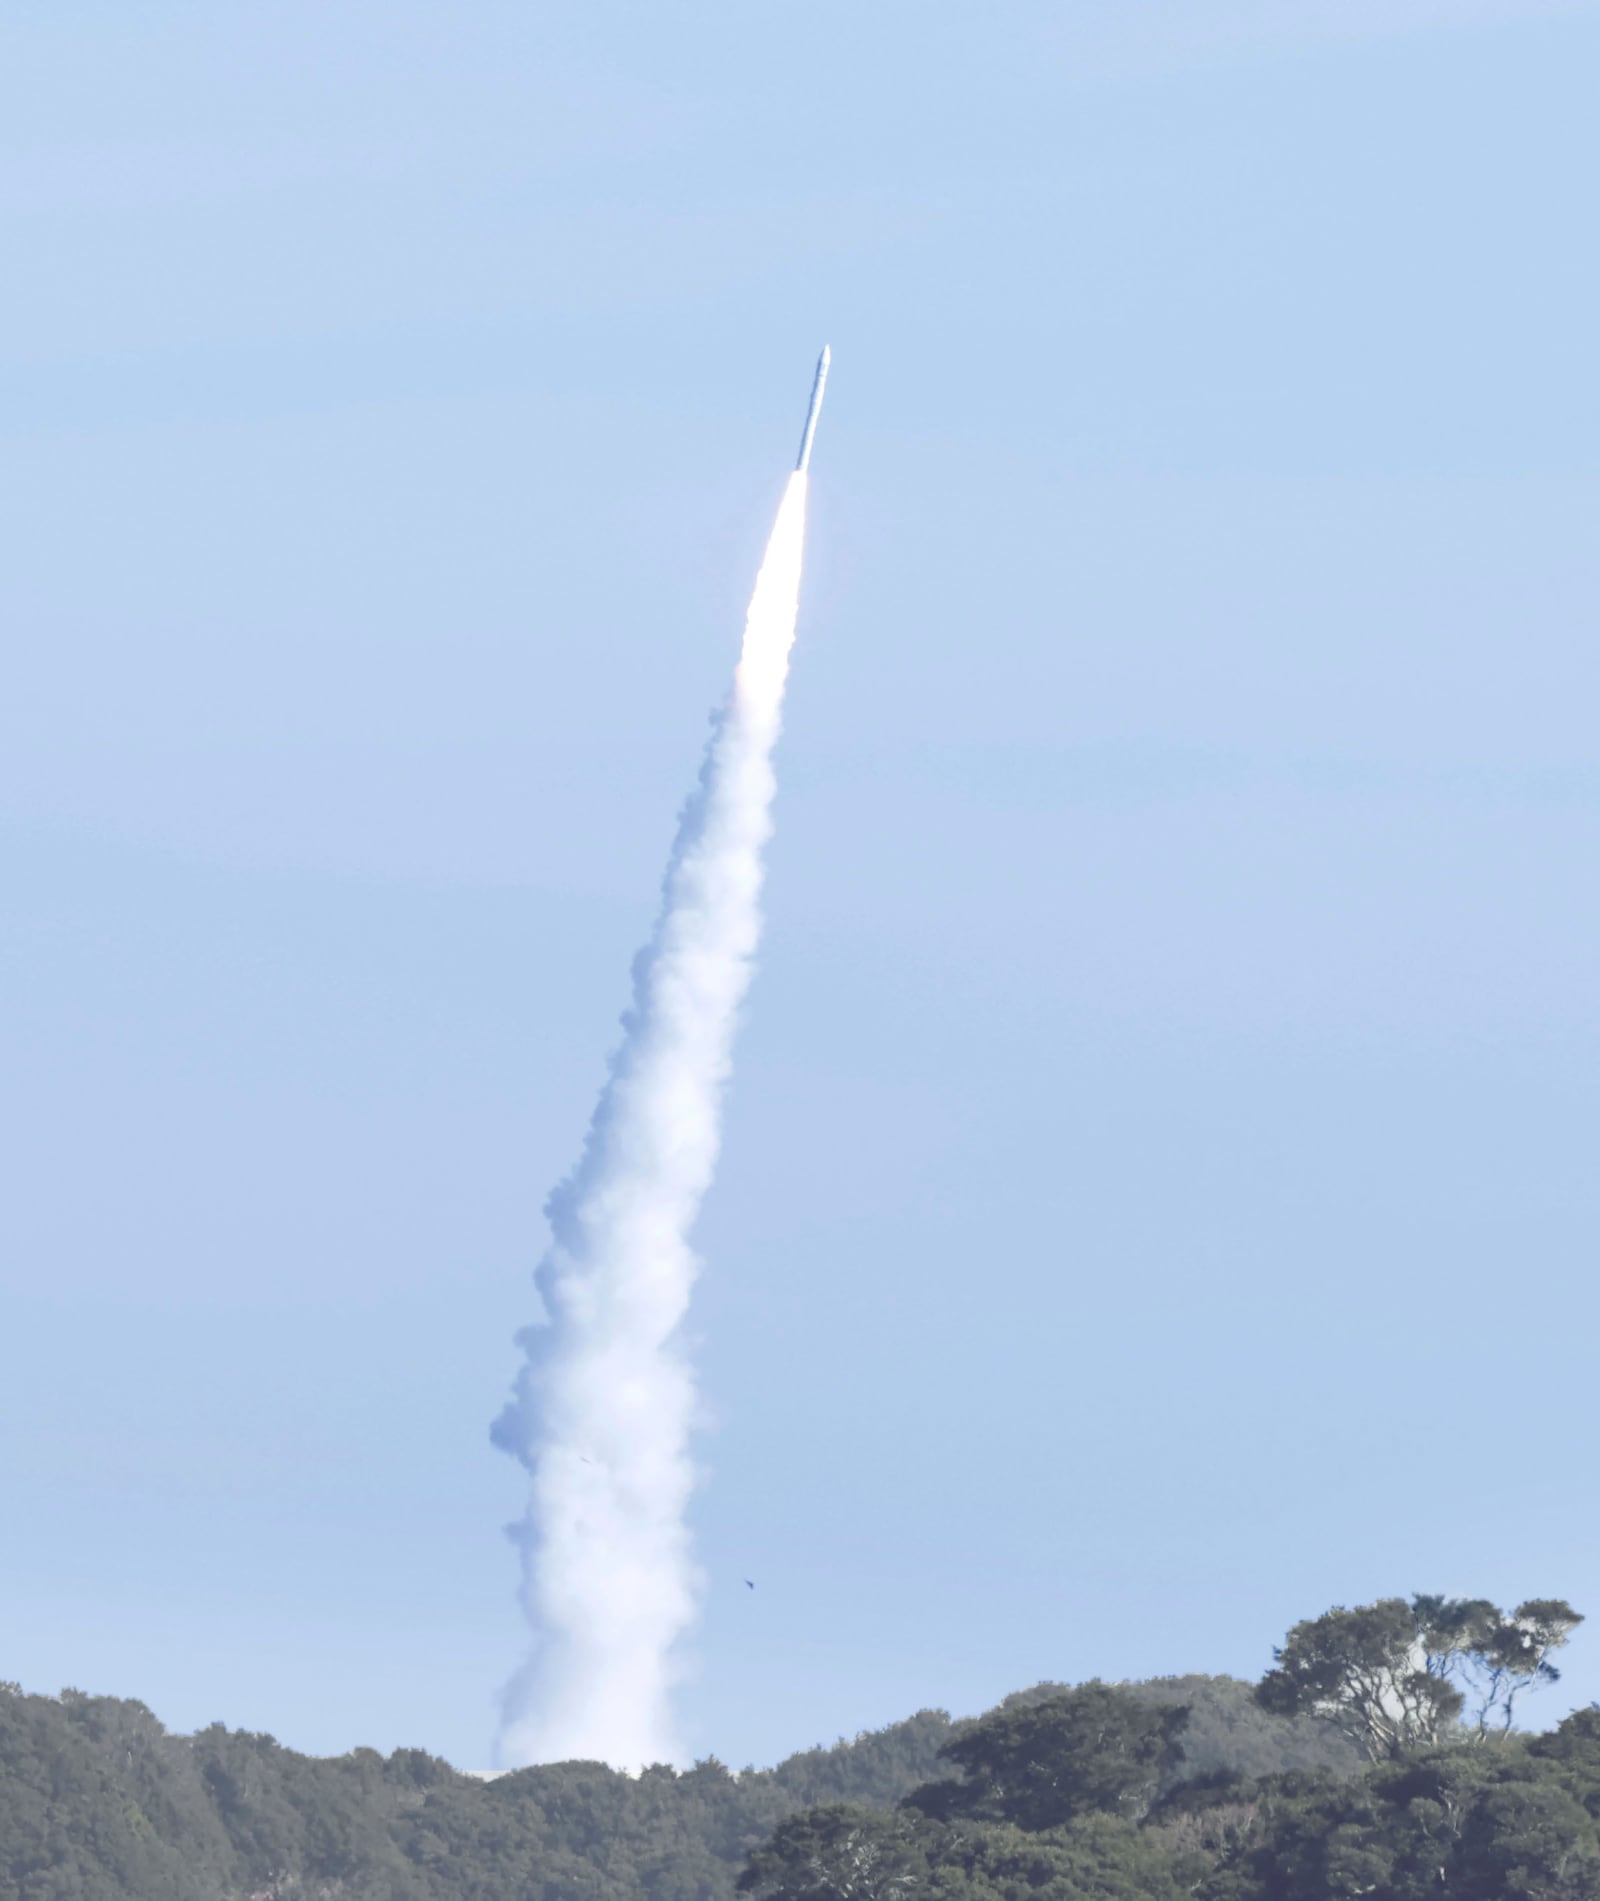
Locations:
1289 1790
99 1803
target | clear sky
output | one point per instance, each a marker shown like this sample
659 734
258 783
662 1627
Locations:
1159 1197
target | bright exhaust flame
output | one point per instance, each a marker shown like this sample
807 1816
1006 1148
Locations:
605 1401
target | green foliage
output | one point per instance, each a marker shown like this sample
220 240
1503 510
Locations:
1494 1657
92 1809
98 1803
1201 1787
1497 1824
1228 1732
1097 1858
877 1769
1365 1671
1157 1791
1575 1746
844 1853
1397 1676
1093 1750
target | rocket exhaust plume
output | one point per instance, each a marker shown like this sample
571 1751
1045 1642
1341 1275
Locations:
604 1402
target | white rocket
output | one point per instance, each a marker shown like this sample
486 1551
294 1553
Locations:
816 407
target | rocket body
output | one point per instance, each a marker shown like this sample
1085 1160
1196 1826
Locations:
815 410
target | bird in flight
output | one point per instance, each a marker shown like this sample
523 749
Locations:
750 1583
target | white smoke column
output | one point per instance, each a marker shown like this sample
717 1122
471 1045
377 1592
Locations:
605 1401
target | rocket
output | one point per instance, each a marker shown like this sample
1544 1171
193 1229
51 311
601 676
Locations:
815 410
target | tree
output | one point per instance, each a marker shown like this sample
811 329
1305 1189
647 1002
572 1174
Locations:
1491 1657
1365 1672
1445 1824
1397 1675
1098 1858
1093 1750
840 1853
1574 1744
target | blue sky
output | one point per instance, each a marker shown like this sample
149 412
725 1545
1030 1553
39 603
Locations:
1158 1199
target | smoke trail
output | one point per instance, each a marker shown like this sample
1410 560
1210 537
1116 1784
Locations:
604 1403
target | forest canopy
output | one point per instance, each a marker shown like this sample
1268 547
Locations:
1378 1757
